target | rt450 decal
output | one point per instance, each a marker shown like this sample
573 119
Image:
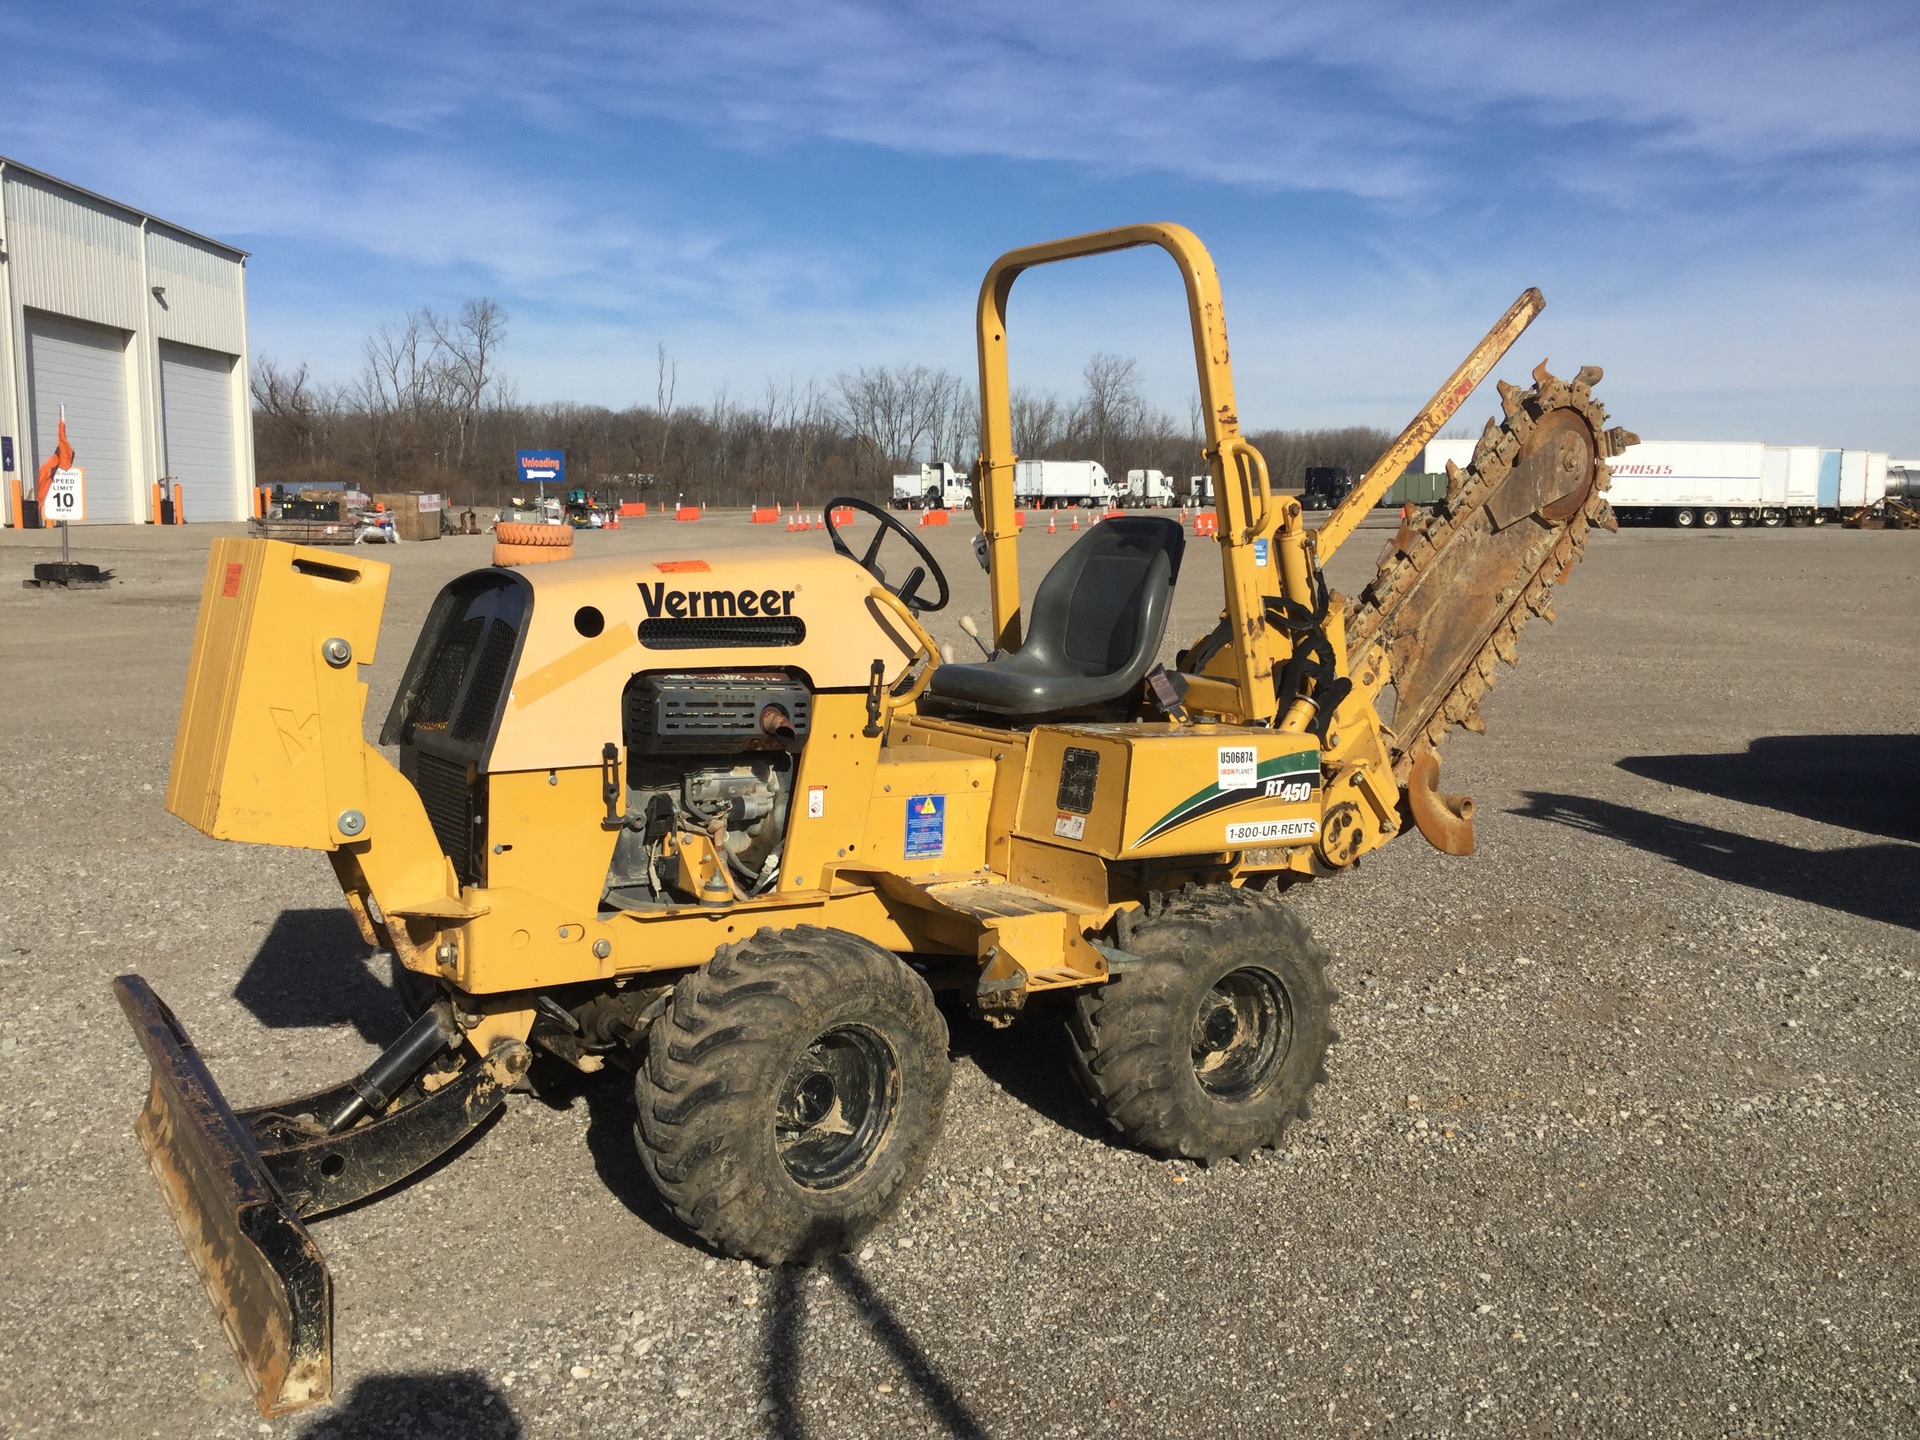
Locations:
1288 779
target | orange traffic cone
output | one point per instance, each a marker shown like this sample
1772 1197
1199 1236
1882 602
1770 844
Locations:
1076 520
1050 524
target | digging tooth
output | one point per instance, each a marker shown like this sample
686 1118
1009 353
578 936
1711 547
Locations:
1589 376
1473 722
1619 439
1512 397
1504 648
1542 375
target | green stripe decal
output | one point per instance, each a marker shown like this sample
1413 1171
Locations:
1213 798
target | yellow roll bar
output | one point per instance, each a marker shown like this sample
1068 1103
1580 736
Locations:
1248 512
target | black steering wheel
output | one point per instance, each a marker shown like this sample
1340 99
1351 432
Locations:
908 590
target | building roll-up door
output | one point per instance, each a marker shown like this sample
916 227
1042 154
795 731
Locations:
83 368
196 417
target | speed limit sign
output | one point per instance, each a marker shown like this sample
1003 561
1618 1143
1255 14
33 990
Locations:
66 497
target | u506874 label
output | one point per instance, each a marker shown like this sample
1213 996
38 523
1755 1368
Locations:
1265 832
1239 767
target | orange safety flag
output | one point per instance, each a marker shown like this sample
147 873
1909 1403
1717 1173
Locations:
61 459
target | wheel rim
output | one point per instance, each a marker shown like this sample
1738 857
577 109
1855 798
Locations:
1241 1034
836 1106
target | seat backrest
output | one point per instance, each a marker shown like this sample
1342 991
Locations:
1089 610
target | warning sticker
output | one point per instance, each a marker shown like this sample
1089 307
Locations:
926 827
1265 832
1260 551
816 801
1239 767
1070 827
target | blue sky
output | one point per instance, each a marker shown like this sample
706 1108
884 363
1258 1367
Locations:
1719 201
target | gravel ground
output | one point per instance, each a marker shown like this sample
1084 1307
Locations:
1620 1140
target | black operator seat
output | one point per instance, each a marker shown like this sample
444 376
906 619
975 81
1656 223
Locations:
1098 619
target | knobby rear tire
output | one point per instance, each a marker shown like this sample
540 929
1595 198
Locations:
722 1059
1134 1043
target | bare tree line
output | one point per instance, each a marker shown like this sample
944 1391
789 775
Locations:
432 410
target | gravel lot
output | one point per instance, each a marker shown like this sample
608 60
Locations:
1621 1140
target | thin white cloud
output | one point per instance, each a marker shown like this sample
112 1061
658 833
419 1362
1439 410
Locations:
1373 98
417 204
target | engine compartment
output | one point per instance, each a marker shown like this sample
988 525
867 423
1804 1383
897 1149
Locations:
708 770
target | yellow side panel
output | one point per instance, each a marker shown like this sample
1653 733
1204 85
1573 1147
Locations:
827 822
1078 876
1049 812
929 811
584 641
270 744
1225 790
1007 750
1136 791
544 835
525 942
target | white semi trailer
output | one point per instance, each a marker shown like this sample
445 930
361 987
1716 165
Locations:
1061 484
1706 484
1440 451
1688 483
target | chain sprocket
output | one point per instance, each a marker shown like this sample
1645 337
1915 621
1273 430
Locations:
1463 576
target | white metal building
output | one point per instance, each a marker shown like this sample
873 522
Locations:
139 329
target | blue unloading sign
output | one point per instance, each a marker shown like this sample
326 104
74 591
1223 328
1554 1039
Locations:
543 467
926 827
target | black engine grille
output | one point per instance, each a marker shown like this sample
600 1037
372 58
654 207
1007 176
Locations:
712 714
449 802
722 632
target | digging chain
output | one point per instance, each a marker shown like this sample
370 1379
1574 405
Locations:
1547 557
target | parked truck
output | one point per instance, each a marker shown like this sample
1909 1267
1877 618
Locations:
1061 484
1200 490
1707 484
1148 490
1326 486
935 486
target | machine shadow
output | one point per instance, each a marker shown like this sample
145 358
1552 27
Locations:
1874 882
1028 1060
311 971
1869 783
608 1096
784 1352
458 1405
